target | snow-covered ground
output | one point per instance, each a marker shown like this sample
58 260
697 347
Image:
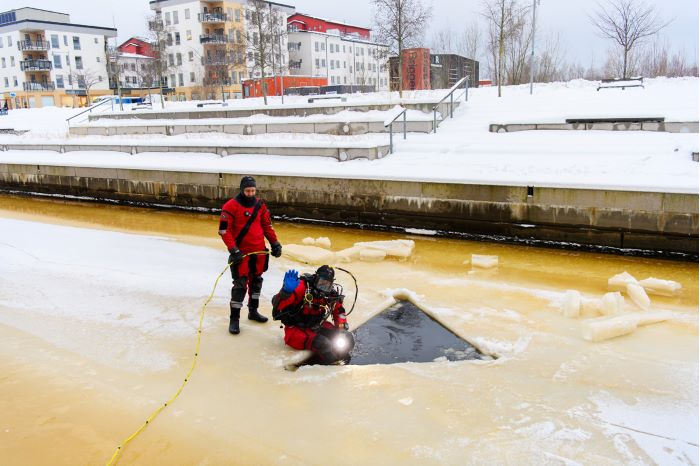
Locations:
98 328
463 151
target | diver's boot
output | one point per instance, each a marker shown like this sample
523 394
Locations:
253 314
233 327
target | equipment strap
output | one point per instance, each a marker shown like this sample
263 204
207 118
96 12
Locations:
246 227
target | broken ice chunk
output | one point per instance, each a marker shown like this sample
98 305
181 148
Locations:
372 255
572 303
661 287
348 254
323 242
653 317
605 328
484 262
308 241
612 303
309 254
638 295
619 282
401 248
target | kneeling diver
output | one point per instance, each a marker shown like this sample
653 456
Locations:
303 305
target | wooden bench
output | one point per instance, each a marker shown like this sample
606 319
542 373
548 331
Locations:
342 99
613 83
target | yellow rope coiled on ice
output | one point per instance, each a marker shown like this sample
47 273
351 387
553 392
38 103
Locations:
122 446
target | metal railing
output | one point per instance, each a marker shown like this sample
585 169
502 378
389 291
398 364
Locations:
33 45
390 124
30 86
212 17
220 61
91 108
35 65
458 84
213 39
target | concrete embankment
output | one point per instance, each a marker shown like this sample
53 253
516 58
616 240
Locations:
659 222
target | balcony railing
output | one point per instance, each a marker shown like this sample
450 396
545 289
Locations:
35 65
219 61
33 45
212 17
156 25
213 39
216 82
39 86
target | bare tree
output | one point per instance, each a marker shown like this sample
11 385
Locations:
517 46
158 35
267 28
550 64
114 72
657 59
501 16
401 23
469 43
86 79
627 22
441 41
148 77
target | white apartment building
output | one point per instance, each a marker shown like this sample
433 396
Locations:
344 54
46 60
206 47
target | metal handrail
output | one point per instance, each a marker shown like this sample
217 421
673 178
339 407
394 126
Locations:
89 109
391 129
450 94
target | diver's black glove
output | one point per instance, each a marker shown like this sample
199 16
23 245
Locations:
276 249
235 256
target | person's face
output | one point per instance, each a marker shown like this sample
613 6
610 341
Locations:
324 284
249 192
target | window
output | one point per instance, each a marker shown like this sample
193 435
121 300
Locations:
238 16
189 34
187 13
323 62
191 72
54 41
76 43
323 46
12 62
1 46
7 82
318 63
345 79
78 63
180 80
332 64
345 64
4 63
179 59
169 40
175 18
14 80
57 62
177 38
65 41
98 59
171 60
190 56
238 35
97 41
167 18
316 46
9 43
172 80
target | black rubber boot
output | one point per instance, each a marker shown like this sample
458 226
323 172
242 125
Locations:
233 327
253 314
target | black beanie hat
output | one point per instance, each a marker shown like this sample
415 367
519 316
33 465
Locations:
247 182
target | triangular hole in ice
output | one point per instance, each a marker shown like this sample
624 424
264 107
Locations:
404 333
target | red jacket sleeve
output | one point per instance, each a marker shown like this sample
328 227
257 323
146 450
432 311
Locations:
226 225
267 224
339 317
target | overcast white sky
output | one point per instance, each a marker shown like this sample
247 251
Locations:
567 17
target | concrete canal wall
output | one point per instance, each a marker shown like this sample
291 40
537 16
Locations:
622 219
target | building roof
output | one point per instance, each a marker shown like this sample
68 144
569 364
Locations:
332 21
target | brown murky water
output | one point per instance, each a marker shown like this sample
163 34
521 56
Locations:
65 406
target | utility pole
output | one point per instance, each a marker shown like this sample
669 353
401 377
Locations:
532 55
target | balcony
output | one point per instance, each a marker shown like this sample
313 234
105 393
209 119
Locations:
219 61
39 86
213 39
212 17
33 46
216 82
35 65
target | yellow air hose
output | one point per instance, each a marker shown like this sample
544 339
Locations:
120 448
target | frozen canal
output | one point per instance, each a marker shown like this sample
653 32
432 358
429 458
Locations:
98 315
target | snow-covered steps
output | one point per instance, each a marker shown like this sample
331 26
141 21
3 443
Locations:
295 110
340 150
171 128
660 126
